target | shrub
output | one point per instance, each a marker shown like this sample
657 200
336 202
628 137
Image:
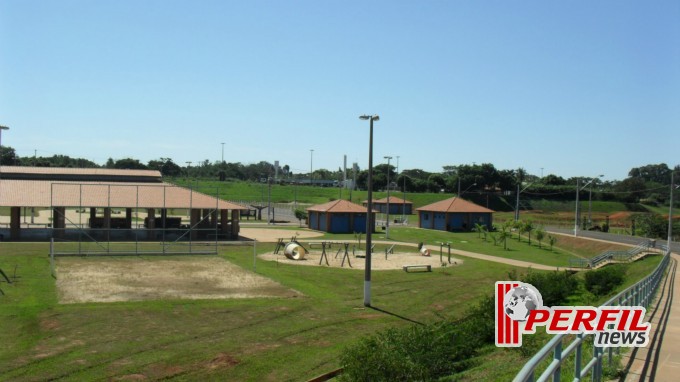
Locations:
602 281
555 287
421 352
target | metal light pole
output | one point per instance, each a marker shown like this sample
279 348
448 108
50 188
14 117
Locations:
222 152
670 215
517 202
387 224
311 160
369 208
578 190
1 129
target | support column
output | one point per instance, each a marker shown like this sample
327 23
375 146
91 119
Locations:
93 215
128 218
195 218
235 215
224 219
59 221
15 223
107 218
151 223
107 223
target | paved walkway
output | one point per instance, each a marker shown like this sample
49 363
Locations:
660 360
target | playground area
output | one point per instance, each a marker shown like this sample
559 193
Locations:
337 257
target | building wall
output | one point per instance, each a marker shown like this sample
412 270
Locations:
454 221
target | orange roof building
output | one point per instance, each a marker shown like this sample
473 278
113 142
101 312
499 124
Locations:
398 206
58 190
338 216
454 214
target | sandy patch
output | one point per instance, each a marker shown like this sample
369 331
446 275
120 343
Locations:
378 261
273 234
134 279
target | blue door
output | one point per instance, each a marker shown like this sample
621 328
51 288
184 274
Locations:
359 223
339 223
322 221
456 222
440 221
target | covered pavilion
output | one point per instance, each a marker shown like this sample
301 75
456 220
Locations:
84 201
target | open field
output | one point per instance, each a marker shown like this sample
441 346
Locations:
290 337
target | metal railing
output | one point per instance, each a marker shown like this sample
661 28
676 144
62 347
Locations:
611 255
640 294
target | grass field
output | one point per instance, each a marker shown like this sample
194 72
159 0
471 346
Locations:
278 339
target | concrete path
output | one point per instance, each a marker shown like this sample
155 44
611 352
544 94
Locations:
660 360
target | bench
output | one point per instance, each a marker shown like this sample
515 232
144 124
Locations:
426 268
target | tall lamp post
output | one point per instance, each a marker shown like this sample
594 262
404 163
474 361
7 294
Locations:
590 203
578 190
1 129
670 214
369 208
517 202
222 152
311 161
387 224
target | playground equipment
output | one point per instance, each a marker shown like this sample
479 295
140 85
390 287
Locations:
423 250
294 251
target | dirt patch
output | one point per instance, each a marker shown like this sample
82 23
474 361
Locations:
378 261
134 279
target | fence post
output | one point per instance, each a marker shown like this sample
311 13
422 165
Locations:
557 374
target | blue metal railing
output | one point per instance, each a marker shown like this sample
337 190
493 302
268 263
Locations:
640 294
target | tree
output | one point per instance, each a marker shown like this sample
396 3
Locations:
479 228
540 235
300 215
528 227
8 156
129 163
652 225
504 234
552 240
435 183
554 180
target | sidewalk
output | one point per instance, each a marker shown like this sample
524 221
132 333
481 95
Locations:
660 360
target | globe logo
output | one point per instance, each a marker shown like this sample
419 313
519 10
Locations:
521 300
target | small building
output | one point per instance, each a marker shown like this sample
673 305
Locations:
398 206
338 216
454 214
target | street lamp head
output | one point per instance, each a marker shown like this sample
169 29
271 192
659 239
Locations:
366 117
387 157
4 127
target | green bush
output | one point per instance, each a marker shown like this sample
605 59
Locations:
421 352
555 287
602 281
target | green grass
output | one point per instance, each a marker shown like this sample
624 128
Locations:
247 339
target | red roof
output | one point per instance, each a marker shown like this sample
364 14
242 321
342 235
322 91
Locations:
393 200
338 206
454 204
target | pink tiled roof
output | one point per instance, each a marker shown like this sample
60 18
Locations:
338 206
78 171
454 205
45 193
393 200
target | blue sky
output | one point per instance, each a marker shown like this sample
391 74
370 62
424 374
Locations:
578 88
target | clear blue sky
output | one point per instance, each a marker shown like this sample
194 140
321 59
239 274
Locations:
578 88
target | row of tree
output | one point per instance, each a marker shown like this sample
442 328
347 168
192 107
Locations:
647 183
